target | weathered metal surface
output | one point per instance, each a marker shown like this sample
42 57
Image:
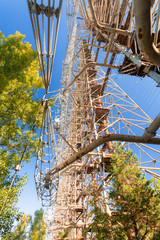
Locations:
97 143
151 130
143 19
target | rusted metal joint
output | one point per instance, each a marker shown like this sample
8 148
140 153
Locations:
41 8
147 135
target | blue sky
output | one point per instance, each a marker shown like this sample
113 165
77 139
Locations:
15 17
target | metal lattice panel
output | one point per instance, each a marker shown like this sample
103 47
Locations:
45 21
92 113
46 188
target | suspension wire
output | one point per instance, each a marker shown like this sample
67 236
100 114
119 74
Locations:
17 169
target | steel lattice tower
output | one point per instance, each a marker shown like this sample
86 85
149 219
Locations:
91 112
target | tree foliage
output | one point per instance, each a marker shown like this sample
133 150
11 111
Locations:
29 229
63 234
38 228
134 201
20 231
19 73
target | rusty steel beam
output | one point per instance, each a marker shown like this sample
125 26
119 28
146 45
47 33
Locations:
96 143
85 68
155 175
105 26
153 127
143 19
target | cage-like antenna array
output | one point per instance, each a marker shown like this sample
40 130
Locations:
45 21
91 110
46 189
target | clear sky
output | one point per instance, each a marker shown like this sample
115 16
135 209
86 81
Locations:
15 17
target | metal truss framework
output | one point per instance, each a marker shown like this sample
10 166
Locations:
46 160
45 21
89 117
92 111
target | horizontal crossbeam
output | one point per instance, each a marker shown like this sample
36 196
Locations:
96 143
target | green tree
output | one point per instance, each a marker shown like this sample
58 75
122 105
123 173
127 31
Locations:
135 202
29 229
101 224
19 74
20 231
38 227
63 234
